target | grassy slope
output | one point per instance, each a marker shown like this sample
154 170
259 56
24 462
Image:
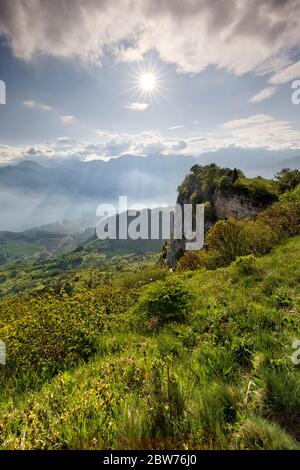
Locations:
29 247
81 269
222 379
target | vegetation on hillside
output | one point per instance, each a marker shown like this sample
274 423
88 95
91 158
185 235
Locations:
230 238
131 355
201 184
157 360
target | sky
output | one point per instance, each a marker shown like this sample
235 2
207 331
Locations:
74 72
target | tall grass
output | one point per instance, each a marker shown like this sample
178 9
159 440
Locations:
217 376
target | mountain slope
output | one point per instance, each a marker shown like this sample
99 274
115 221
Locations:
44 242
221 377
37 245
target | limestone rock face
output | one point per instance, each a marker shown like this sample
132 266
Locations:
235 205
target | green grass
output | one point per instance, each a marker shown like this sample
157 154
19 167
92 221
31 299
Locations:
259 188
99 368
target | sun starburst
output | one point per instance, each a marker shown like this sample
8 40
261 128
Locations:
147 82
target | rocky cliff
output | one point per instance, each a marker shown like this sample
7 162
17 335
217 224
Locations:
235 205
225 193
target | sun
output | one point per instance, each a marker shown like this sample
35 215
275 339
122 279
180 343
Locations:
147 82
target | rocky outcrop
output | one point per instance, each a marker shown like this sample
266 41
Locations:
225 193
235 205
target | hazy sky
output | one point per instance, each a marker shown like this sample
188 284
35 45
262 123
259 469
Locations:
75 76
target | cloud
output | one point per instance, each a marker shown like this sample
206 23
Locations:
178 146
9 154
143 143
137 106
260 131
257 131
173 128
67 141
287 74
36 105
238 36
111 145
67 119
248 122
264 94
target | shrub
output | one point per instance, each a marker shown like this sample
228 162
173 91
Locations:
282 297
224 238
288 179
191 261
256 238
166 300
283 217
231 238
245 265
45 333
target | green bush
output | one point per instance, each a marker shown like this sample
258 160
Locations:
283 217
256 238
45 333
190 261
246 265
224 240
288 179
168 300
231 238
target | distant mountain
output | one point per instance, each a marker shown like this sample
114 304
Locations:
120 247
45 242
66 236
128 174
35 246
128 246
76 228
292 163
32 194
